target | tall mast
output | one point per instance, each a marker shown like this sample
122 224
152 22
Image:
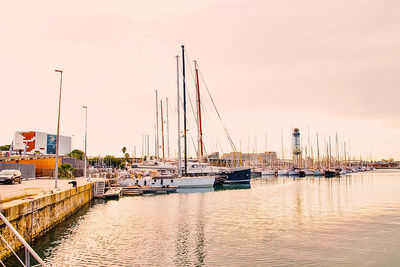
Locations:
308 137
148 147
200 130
319 165
184 106
337 148
156 141
330 153
179 118
162 132
167 130
283 157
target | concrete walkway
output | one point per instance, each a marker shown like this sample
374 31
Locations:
36 187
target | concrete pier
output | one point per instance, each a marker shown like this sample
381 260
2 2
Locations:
34 206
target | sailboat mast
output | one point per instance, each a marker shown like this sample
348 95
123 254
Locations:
184 106
168 154
330 153
179 118
156 141
283 158
162 132
200 130
319 166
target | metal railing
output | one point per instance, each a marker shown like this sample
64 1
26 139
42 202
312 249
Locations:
28 249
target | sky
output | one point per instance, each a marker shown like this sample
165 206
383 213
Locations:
326 67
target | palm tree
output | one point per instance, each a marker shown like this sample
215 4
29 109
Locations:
124 150
65 170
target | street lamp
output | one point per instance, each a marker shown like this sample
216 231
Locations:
58 130
84 171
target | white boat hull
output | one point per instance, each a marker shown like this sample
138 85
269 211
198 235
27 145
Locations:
283 173
267 173
294 173
182 182
319 173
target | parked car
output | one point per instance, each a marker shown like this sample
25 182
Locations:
10 176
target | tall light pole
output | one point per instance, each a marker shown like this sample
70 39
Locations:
58 130
84 171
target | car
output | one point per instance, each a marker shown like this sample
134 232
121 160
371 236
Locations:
10 176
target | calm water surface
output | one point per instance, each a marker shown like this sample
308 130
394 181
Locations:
348 221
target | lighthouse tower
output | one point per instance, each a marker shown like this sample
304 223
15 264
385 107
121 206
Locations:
296 148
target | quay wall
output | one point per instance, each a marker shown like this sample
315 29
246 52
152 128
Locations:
32 218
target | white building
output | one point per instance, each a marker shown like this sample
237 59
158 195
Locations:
33 142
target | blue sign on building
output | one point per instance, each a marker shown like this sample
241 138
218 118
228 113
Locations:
51 144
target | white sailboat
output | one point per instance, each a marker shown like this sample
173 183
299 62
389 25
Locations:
180 182
283 172
267 172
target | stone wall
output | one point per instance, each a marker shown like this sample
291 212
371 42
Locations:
34 217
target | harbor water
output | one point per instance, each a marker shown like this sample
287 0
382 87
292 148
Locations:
349 221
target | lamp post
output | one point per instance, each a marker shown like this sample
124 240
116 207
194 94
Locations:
58 130
84 171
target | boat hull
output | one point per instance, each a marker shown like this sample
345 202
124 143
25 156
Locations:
235 176
181 182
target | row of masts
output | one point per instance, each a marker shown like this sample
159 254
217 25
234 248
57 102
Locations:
198 119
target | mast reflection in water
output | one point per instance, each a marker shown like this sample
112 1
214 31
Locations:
351 221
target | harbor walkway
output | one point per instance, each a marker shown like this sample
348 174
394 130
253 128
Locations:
10 194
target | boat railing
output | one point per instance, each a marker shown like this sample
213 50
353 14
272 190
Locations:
28 249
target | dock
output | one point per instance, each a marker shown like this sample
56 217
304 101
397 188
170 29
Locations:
137 190
111 193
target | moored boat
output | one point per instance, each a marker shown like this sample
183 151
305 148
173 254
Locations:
318 172
268 173
294 173
283 172
179 182
329 173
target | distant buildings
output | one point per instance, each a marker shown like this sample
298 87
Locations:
251 159
33 142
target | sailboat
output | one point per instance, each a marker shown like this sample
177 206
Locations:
318 171
179 180
187 181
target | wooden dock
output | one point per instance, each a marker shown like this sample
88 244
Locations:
111 193
137 190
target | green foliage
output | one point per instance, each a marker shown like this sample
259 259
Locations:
5 148
144 158
126 156
92 161
112 161
77 154
65 170
123 150
122 165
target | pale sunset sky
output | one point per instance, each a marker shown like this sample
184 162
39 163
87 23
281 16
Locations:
330 66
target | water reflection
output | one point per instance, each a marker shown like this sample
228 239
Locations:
232 187
277 221
195 190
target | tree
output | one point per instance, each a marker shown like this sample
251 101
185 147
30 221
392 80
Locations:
5 148
65 170
122 165
126 157
112 161
124 150
77 154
